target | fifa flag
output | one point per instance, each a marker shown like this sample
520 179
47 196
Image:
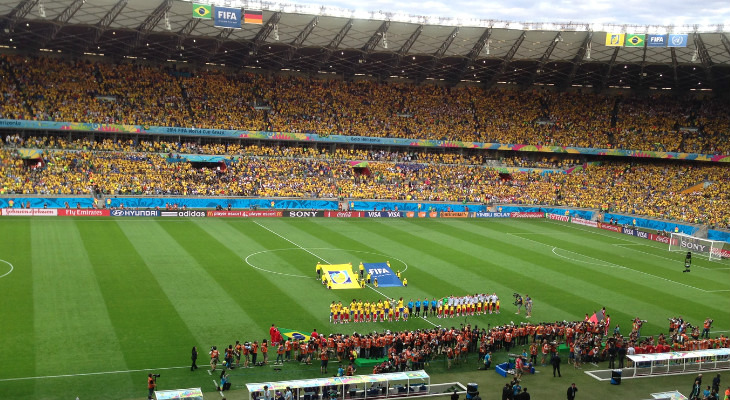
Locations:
227 17
340 276
253 17
203 11
615 39
635 40
383 273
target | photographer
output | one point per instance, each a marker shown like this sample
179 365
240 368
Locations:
518 302
706 328
151 385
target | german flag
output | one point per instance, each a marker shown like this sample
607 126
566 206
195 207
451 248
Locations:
253 17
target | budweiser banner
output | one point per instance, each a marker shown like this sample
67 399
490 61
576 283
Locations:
527 215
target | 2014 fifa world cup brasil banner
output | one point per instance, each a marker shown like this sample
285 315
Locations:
340 276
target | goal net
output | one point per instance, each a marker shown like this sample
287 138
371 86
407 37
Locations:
712 249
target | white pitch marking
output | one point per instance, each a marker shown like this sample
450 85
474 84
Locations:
7 273
90 374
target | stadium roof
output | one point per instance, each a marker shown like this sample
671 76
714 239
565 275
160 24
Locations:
379 44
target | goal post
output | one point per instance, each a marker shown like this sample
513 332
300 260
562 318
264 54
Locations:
712 249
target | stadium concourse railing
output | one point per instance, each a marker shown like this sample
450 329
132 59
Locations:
643 227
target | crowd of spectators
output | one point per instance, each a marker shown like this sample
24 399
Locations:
694 193
45 88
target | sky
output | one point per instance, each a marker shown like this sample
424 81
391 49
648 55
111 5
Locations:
635 12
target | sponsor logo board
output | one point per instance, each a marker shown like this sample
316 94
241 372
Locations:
659 238
83 212
34 212
135 213
244 213
608 227
186 213
558 217
584 222
453 214
343 214
527 215
481 214
383 214
304 214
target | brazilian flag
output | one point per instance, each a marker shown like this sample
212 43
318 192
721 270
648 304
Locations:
203 11
635 40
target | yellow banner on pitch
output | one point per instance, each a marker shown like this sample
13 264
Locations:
615 39
340 276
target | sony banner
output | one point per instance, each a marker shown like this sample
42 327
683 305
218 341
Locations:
343 214
692 244
85 212
608 227
304 214
558 217
584 222
134 213
527 215
244 213
383 214
186 213
33 212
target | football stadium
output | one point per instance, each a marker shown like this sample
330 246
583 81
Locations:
229 199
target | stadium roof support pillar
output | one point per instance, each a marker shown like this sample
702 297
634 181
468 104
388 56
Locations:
405 49
472 55
375 39
725 42
507 59
438 54
186 30
334 43
705 58
674 68
17 13
265 31
65 16
301 37
108 18
578 59
151 22
219 40
611 64
544 58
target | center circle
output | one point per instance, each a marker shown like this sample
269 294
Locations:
312 251
7 273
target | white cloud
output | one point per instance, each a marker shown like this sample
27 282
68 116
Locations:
651 12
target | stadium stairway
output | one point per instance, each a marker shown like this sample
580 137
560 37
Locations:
696 188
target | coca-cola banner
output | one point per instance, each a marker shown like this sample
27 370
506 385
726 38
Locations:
343 214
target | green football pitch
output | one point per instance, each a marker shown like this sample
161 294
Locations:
90 306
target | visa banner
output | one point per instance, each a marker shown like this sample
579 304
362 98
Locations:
227 17
656 40
675 40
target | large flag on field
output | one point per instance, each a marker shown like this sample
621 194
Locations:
382 271
204 11
341 276
293 334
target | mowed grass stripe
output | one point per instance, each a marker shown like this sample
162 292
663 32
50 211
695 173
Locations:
18 334
196 296
446 271
523 259
258 292
290 302
585 280
142 315
72 327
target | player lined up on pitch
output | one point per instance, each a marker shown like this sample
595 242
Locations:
392 310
